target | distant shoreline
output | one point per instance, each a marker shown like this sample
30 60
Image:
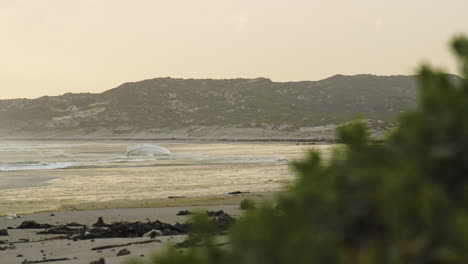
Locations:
311 141
324 141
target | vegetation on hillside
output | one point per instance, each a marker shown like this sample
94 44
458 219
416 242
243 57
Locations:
401 201
167 104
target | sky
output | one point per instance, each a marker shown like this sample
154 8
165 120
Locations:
51 47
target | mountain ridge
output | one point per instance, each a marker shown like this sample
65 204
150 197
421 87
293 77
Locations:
212 108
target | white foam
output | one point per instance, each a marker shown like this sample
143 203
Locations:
30 147
40 165
35 166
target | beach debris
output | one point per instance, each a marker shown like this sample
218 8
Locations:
13 216
126 245
153 234
215 213
44 260
221 219
19 256
186 212
74 224
176 197
3 232
33 225
123 252
61 230
100 223
139 229
131 230
99 261
237 193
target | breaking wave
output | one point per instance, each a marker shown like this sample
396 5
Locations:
23 166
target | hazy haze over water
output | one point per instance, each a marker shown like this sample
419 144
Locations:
57 46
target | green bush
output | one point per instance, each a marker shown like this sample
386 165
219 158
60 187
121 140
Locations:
401 201
247 204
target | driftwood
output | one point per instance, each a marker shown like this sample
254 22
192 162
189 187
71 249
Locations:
61 230
237 193
44 260
126 245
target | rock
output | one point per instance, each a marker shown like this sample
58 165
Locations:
3 232
215 213
74 224
123 252
186 212
100 223
133 229
223 221
33 225
100 261
169 232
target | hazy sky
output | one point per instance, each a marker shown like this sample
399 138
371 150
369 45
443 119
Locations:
50 47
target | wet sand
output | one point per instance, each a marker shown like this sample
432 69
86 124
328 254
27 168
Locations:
100 175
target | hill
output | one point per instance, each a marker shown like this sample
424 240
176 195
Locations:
212 109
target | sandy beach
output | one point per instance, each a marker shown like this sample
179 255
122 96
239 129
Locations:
25 244
72 175
60 182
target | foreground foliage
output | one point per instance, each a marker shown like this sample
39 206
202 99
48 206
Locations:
402 201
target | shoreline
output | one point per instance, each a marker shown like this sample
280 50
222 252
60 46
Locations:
253 140
205 200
